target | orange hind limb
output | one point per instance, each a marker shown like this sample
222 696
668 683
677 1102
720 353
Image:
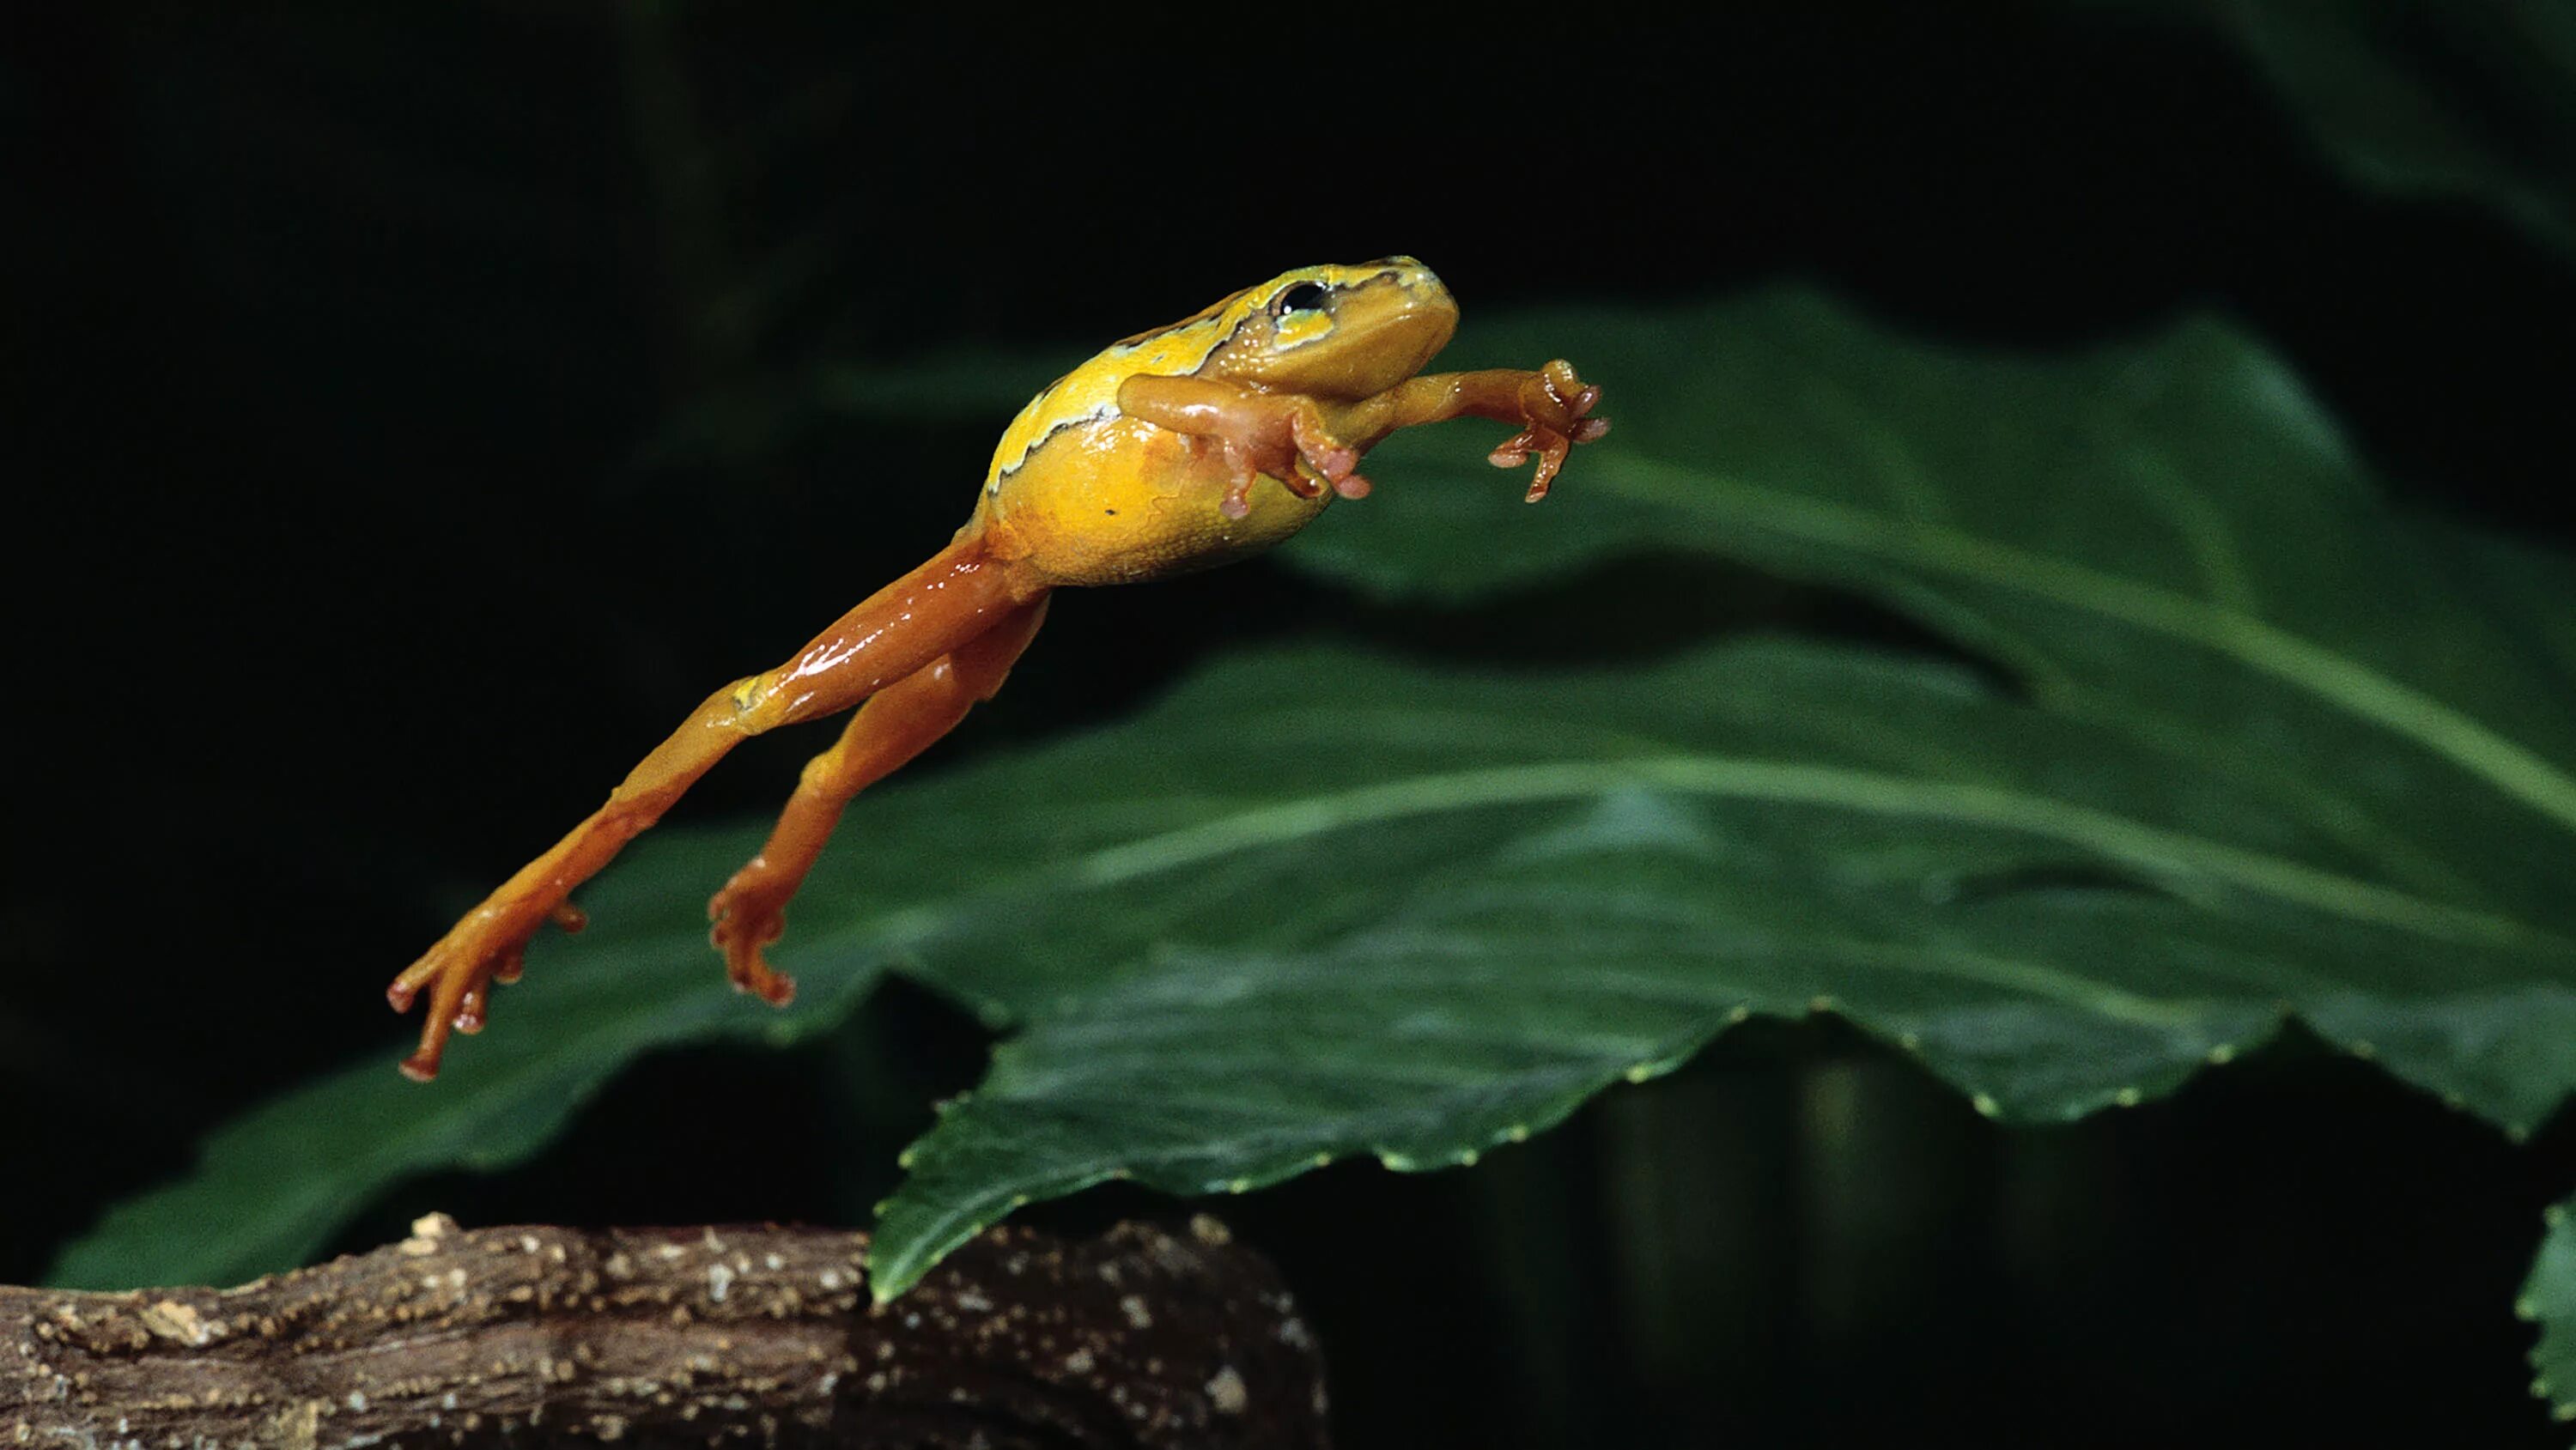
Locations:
960 594
1148 461
896 724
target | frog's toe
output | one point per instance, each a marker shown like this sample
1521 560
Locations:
458 973
474 1010
747 965
1330 457
1237 501
746 921
457 999
1548 445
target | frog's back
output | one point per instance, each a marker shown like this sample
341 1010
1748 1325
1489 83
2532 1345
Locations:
1089 394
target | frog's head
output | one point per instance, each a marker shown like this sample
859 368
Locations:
1334 331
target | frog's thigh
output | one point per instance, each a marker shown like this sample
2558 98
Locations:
906 717
896 724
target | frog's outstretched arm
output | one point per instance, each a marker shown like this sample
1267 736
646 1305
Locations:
1309 442
896 724
901 631
1552 405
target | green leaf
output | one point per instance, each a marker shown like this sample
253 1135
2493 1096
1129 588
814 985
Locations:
1415 916
2281 752
2169 539
2419 96
2549 1299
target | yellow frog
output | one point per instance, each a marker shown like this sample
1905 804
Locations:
1174 450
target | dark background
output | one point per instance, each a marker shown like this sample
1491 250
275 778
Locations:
413 409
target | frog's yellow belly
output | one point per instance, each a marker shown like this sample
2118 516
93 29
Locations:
1118 501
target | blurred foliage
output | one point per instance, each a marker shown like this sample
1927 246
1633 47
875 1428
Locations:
449 390
2422 97
2549 1298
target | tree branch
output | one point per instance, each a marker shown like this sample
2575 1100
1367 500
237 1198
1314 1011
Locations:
703 1336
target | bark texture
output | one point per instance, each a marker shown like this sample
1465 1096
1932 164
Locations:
697 1336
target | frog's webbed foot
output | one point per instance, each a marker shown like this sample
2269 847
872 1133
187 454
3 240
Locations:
1284 437
490 945
1556 409
1261 435
749 914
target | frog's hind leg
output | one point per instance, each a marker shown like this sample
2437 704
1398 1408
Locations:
896 634
896 724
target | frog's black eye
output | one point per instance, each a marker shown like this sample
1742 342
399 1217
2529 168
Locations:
1304 297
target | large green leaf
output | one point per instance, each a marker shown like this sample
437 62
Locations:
2167 541
2423 96
2170 539
1452 908
1320 903
2282 752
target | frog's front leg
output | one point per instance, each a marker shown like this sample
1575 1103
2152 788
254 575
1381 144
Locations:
959 594
1285 436
1552 406
896 724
